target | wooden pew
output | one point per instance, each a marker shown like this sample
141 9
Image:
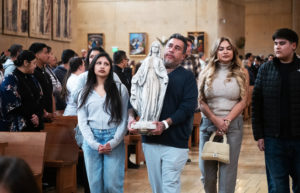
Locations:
196 127
30 146
2 148
139 154
195 132
62 152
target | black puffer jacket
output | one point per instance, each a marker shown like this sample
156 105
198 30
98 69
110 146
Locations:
266 100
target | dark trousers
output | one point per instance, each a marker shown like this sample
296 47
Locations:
81 175
282 158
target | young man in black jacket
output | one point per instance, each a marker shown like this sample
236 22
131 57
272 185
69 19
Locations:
276 113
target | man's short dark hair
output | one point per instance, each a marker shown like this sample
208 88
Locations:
119 56
180 37
258 58
67 55
248 55
37 47
49 49
189 40
287 34
15 49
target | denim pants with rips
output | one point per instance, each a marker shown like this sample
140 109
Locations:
282 158
105 171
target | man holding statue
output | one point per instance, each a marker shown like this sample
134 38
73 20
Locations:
169 97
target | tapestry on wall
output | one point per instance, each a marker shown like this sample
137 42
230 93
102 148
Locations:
40 19
62 20
198 42
15 17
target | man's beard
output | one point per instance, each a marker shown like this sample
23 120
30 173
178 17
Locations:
170 65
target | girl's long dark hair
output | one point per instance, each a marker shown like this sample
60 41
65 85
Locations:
74 64
87 59
113 104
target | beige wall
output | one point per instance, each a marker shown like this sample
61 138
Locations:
232 20
157 18
296 19
263 18
1 16
256 20
57 46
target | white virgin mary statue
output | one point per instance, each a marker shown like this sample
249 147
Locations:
148 88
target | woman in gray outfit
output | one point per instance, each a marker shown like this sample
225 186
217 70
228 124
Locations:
223 95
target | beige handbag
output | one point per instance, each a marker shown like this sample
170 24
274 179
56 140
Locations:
215 150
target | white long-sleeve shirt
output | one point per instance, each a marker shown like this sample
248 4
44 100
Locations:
92 115
71 108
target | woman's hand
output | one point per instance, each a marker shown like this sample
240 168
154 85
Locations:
35 120
222 124
227 123
219 123
104 149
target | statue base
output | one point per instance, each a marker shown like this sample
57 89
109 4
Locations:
143 126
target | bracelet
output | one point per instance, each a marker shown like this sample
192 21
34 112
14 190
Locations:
227 121
166 124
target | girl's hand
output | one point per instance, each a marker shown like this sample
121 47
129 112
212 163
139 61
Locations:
104 149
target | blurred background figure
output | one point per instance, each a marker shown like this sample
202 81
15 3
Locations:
83 53
16 176
21 96
255 66
270 57
14 51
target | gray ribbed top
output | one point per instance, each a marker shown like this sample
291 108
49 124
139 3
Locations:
224 94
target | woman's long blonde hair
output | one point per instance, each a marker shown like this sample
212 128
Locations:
236 70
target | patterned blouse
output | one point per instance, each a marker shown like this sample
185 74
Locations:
21 96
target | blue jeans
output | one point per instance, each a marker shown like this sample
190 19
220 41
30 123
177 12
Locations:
164 166
210 169
282 160
105 171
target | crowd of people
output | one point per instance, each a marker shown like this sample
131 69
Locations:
97 88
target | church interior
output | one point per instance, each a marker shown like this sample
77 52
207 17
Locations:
131 26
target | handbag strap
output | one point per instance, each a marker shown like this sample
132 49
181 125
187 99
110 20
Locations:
213 136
